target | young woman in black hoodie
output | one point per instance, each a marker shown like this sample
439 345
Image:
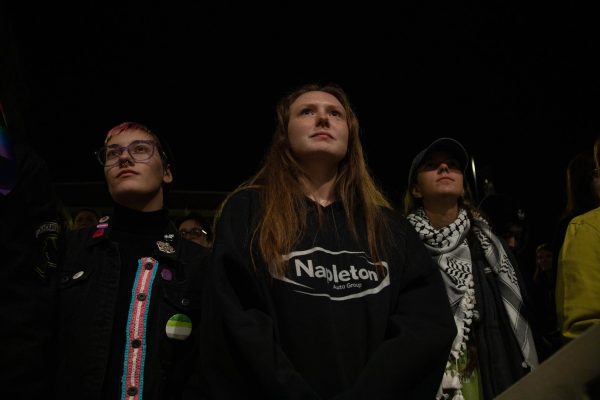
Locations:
318 290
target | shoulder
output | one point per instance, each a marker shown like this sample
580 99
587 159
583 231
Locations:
241 204
238 213
591 218
584 226
390 214
396 221
481 226
243 197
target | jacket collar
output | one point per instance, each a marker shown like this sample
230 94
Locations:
167 248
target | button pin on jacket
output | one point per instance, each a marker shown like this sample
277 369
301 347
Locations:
179 327
102 225
98 233
165 247
77 275
166 274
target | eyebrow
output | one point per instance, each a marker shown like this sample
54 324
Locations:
319 103
133 141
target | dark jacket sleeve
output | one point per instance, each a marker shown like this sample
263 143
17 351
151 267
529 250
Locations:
421 330
29 236
241 355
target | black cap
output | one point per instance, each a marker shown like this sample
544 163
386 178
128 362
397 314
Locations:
445 144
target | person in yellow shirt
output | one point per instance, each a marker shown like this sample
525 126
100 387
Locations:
578 277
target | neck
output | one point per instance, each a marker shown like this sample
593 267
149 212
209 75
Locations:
319 186
147 222
441 215
141 201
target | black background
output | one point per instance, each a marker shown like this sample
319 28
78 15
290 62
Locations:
516 83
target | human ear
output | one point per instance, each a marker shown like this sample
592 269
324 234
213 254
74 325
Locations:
416 192
167 177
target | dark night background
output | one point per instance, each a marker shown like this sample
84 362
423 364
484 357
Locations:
518 84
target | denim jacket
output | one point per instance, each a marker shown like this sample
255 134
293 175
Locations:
161 342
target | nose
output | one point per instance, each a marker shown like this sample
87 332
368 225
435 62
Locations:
125 157
443 167
322 119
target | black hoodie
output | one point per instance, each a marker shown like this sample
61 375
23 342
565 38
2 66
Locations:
336 326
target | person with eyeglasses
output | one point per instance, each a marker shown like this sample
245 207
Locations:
495 345
317 289
578 275
195 228
130 286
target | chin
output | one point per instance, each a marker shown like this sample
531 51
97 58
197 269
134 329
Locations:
129 192
328 155
126 189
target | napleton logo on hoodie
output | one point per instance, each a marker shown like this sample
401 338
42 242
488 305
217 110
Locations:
338 275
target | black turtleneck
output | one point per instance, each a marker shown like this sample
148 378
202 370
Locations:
135 233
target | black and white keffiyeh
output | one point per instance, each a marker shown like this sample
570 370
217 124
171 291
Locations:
450 250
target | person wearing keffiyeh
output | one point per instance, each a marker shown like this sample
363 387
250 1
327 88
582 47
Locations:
494 346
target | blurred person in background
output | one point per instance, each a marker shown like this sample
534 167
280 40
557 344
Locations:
196 228
578 276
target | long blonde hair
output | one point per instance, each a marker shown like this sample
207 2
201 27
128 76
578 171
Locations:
283 217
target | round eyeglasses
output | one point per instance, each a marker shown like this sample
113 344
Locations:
139 150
